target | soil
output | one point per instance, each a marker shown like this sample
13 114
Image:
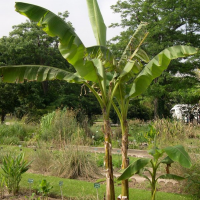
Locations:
24 194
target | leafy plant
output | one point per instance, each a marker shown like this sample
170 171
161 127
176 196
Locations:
135 78
151 134
44 188
46 121
16 132
61 127
13 167
174 154
192 184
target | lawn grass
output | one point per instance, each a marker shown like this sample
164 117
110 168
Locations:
79 189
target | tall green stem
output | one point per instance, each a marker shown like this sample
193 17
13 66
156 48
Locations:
154 181
122 115
125 162
105 106
110 191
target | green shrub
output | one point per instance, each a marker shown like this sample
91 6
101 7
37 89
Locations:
46 121
21 131
192 184
4 152
13 167
100 162
140 137
138 130
13 140
117 162
61 127
44 188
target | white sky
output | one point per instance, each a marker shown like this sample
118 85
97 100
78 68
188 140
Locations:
78 16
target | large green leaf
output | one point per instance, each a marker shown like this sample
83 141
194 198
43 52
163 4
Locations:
133 47
102 53
171 176
177 153
156 66
142 55
134 168
128 68
167 160
130 63
97 22
156 153
71 47
20 73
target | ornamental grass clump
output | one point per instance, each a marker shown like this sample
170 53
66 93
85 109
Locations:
67 163
73 163
42 161
13 167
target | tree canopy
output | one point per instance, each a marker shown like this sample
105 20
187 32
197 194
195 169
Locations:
169 23
28 44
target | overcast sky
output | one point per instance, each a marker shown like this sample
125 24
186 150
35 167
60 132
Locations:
78 16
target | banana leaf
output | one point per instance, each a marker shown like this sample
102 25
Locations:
71 47
97 22
20 73
178 154
156 66
133 168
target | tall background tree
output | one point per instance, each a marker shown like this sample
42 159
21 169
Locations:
28 44
8 99
169 23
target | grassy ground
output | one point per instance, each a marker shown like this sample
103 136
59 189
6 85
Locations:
85 190
78 188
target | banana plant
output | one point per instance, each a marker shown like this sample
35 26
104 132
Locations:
136 78
127 72
95 67
174 154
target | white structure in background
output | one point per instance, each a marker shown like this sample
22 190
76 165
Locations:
180 110
186 112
